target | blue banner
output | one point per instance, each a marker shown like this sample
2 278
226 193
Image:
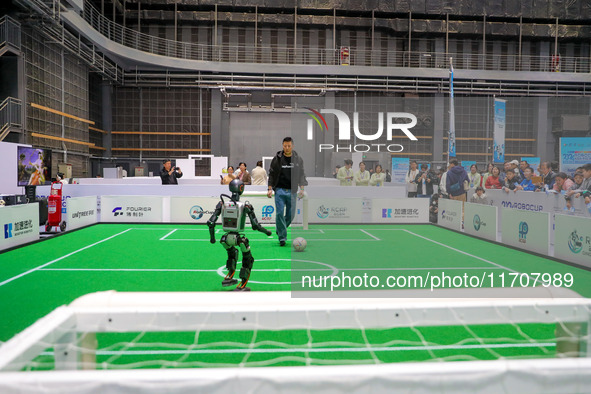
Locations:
533 162
467 164
499 132
574 152
451 146
400 166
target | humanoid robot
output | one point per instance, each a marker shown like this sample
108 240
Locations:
234 214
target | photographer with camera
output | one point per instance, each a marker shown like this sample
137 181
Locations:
169 174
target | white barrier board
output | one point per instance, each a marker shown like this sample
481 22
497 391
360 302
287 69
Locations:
19 224
481 221
341 210
526 230
449 214
403 210
81 211
572 239
125 209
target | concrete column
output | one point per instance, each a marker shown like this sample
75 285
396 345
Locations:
542 125
438 127
216 124
107 117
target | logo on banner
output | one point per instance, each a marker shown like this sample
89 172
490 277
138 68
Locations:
322 212
476 222
393 121
196 212
117 211
523 230
575 243
8 230
449 216
267 212
386 213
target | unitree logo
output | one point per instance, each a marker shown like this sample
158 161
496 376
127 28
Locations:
392 120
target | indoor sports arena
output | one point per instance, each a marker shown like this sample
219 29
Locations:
295 196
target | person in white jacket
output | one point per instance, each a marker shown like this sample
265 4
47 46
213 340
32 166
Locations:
378 178
362 176
411 185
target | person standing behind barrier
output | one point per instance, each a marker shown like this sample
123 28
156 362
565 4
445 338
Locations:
479 197
562 182
362 176
494 181
474 176
548 177
526 184
243 174
258 174
345 175
425 181
378 178
456 181
511 182
578 181
229 176
411 175
170 174
486 174
285 176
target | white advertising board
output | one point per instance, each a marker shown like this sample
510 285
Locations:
481 220
342 210
81 211
200 209
403 210
526 230
572 239
449 214
126 209
19 224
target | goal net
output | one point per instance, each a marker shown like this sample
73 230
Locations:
179 342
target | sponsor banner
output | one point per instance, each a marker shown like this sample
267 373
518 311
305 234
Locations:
19 224
402 210
400 166
125 209
450 214
572 239
344 210
499 132
467 164
200 209
481 221
526 230
82 211
574 152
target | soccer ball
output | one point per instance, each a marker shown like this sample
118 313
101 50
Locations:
2 203
299 244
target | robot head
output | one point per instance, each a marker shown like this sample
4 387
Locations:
237 187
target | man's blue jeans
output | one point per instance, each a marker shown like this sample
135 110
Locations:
285 204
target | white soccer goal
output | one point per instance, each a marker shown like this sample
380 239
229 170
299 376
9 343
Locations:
71 333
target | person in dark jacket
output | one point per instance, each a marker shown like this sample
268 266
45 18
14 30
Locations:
170 174
425 181
456 181
286 175
511 181
548 177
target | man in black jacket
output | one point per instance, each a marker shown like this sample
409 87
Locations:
285 176
169 174
425 181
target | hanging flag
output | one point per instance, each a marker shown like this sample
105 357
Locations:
451 138
499 132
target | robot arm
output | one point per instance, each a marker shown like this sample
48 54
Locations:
253 220
212 220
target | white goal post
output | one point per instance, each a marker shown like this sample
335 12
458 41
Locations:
70 331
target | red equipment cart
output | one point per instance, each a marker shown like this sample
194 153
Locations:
54 208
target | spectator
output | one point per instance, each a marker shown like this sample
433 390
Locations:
243 174
506 166
488 173
378 178
522 166
562 182
388 176
442 182
285 176
578 181
362 176
345 175
511 182
336 171
425 181
548 177
229 176
434 208
526 184
479 197
169 174
474 176
411 185
493 181
515 167
258 174
456 181
585 189
60 178
555 166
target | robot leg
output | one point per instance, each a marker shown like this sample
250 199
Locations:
247 263
228 244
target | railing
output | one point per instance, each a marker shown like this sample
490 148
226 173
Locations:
319 56
10 32
10 115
